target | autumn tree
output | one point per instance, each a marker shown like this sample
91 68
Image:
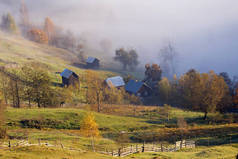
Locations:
113 95
49 29
8 24
129 59
38 36
89 128
95 90
164 87
215 89
12 87
201 92
39 89
153 72
190 89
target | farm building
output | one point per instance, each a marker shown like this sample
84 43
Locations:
69 78
92 62
115 82
138 88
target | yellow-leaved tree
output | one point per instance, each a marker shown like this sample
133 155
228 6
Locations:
89 128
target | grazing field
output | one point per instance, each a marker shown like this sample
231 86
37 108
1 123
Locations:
139 126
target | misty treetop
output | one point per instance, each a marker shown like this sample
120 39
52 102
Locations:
128 58
168 59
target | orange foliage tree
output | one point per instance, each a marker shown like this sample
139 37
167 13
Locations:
38 36
89 128
49 29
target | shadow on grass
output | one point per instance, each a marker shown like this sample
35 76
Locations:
218 140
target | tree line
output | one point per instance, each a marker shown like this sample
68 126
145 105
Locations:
33 85
205 92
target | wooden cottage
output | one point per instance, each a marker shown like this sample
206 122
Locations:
138 88
93 62
69 78
115 82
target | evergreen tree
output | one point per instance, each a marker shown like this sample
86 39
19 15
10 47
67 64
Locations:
8 24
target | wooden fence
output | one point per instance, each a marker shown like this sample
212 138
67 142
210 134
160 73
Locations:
121 152
125 151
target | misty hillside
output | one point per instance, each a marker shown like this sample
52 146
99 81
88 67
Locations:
15 50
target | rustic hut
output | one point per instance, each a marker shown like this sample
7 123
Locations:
138 88
115 82
69 78
92 62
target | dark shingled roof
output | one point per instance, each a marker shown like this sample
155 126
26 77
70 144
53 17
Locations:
90 59
66 73
115 81
133 86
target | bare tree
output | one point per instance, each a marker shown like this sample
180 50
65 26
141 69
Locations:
168 56
24 18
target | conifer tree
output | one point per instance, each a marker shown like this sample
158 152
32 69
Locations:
8 24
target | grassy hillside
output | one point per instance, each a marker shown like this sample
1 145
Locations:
16 50
61 125
70 119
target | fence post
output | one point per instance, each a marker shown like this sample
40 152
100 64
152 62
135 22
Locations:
9 144
143 147
39 142
112 153
136 148
62 146
131 149
161 147
119 152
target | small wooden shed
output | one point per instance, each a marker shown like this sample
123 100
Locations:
69 78
138 88
93 62
115 82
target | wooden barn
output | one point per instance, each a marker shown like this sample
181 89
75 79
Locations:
69 78
115 82
138 88
93 62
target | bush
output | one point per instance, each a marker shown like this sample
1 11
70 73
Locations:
49 123
38 36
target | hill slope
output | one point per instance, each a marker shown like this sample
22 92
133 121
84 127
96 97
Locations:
17 50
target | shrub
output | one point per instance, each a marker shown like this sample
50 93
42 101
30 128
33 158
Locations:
38 36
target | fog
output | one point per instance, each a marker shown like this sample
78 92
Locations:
204 32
